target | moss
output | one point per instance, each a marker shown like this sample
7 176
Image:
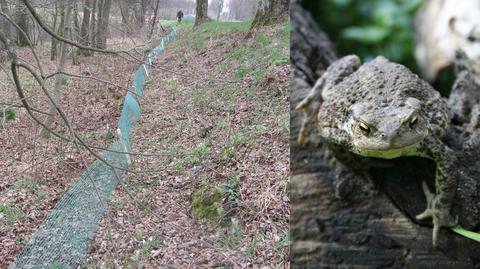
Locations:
207 204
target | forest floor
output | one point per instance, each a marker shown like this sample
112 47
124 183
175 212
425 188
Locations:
36 172
211 188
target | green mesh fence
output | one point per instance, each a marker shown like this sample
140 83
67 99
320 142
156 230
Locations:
62 240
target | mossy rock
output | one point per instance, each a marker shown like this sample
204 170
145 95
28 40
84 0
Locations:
207 204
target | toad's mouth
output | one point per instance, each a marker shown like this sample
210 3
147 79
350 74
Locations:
387 151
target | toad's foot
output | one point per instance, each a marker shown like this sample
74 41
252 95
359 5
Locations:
309 118
438 212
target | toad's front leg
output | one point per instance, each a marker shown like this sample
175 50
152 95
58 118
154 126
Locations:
439 203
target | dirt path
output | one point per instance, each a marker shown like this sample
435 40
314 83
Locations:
215 115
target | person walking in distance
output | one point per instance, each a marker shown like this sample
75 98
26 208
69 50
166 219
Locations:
179 16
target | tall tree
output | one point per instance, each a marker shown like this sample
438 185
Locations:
4 24
53 48
21 18
65 28
103 18
93 25
140 12
269 11
84 30
217 6
201 10
154 21
126 18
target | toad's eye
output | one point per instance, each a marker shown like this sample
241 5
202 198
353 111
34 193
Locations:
364 128
413 122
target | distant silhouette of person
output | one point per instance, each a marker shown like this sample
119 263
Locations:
179 16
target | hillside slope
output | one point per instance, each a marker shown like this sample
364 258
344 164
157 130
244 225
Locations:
211 187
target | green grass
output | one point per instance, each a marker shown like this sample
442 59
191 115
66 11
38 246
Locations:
262 39
199 35
29 184
150 244
242 52
259 73
11 213
7 114
197 154
231 190
280 249
241 72
278 58
179 167
252 247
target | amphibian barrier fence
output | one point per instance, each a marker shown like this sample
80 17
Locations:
63 239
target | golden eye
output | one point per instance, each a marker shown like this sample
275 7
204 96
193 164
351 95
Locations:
413 122
364 128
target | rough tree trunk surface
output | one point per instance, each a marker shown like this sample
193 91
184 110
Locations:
84 30
21 18
103 18
61 67
201 12
4 24
270 11
374 225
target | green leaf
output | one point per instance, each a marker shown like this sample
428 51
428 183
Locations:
468 234
368 34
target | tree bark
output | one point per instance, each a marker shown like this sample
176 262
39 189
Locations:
93 25
220 8
54 41
21 18
201 12
5 28
140 13
125 12
84 30
154 22
270 11
103 18
374 226
74 33
61 66
4 24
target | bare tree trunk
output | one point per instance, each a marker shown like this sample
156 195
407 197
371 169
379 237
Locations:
140 13
5 28
124 11
21 18
61 66
103 18
4 24
53 48
154 19
202 9
84 33
93 25
99 20
269 11
220 8
75 35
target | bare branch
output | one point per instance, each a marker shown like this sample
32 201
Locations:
68 41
